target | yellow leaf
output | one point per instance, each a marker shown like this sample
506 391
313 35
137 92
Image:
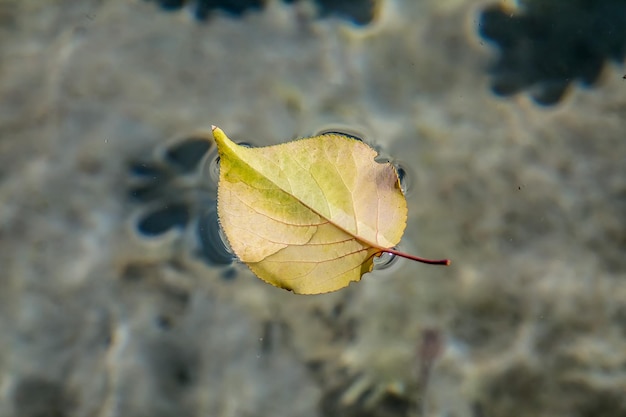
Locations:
309 215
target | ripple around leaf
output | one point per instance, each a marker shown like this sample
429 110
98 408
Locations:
350 133
384 261
213 249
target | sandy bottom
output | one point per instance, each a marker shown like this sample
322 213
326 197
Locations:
99 320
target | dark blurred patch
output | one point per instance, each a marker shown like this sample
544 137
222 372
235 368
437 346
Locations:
137 272
360 12
187 154
546 45
229 274
176 187
390 405
148 170
170 4
163 219
202 9
147 192
38 397
175 366
605 404
163 322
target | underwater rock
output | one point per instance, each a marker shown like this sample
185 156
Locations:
545 46
360 12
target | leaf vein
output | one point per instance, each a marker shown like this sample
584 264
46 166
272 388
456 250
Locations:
279 220
339 173
317 263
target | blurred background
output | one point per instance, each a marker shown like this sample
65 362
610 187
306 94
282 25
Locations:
119 297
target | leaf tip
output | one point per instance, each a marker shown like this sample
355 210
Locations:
217 131
219 136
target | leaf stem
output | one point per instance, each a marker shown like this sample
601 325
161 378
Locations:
417 258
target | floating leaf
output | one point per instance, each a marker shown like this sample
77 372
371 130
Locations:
310 215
